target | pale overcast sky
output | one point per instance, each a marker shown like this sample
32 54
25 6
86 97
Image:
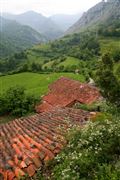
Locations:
47 7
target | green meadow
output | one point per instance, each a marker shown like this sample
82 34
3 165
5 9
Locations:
109 44
68 62
36 84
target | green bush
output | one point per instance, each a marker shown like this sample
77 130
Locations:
116 55
117 72
107 81
3 105
16 102
91 107
101 106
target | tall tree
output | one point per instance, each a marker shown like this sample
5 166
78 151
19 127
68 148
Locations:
107 81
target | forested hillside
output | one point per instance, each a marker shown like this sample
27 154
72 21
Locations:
15 37
73 52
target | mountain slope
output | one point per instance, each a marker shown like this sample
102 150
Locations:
64 21
38 22
102 13
16 37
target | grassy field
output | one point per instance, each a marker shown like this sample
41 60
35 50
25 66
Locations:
34 83
69 62
109 44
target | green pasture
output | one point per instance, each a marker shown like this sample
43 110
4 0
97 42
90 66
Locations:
69 62
109 44
36 84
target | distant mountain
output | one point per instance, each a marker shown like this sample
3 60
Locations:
64 21
102 13
16 37
38 22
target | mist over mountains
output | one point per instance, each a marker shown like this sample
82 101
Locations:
21 31
64 21
51 27
38 22
16 37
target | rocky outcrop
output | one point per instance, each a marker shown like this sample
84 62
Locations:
100 13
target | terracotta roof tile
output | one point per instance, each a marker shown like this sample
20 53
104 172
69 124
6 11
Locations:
27 143
65 92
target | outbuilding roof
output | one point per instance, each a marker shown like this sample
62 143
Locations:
64 92
27 143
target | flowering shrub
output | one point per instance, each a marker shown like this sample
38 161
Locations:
92 153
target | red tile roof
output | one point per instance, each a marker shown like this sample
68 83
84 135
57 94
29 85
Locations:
27 143
65 92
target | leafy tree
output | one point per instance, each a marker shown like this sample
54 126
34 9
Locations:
118 71
20 55
116 55
107 81
35 67
16 102
24 68
3 105
61 68
92 44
